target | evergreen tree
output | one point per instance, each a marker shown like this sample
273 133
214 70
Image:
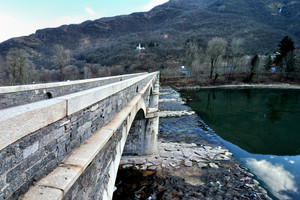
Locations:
253 67
286 57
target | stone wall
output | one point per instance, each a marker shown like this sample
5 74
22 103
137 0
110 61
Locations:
19 95
93 183
28 159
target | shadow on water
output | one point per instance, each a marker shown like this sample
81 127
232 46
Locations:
261 128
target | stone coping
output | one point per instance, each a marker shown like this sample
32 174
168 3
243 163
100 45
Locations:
19 88
78 101
19 121
243 86
60 180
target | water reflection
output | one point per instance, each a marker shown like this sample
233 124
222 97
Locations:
261 128
278 180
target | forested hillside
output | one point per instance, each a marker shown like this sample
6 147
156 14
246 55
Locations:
107 46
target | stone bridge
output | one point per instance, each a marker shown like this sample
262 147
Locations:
65 140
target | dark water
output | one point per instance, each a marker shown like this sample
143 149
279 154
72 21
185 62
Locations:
261 127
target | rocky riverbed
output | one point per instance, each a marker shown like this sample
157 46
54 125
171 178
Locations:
190 163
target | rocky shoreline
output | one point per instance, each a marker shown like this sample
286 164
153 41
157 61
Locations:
189 164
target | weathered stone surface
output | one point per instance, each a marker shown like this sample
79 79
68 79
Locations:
200 164
155 161
173 164
178 155
201 152
152 168
166 154
170 147
188 163
45 193
197 158
213 165
187 152
188 145
127 166
62 178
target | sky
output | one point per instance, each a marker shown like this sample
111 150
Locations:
24 17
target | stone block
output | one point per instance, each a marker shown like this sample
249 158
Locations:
213 165
188 163
18 180
30 150
9 151
166 154
201 165
50 147
32 170
35 158
16 172
45 169
5 166
84 127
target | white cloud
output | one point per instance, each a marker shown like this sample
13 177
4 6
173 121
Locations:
277 179
154 3
89 11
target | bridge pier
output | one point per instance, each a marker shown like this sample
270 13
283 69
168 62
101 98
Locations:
142 139
153 122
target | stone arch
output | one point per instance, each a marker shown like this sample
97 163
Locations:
135 138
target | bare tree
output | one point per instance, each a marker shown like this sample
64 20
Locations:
87 72
236 57
71 72
216 48
194 54
61 59
18 64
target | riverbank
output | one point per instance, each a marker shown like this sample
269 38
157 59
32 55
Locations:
189 164
242 86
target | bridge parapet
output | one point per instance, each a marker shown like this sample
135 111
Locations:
38 137
19 95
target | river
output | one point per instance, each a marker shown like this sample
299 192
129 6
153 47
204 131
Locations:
261 128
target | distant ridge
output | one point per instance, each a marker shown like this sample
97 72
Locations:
164 32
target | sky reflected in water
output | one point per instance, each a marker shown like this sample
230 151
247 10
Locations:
261 128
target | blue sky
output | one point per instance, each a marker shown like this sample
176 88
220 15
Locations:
23 17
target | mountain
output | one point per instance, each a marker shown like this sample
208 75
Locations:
164 31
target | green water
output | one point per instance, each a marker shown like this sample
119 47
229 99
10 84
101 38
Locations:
261 127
